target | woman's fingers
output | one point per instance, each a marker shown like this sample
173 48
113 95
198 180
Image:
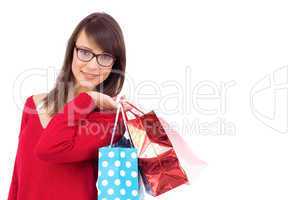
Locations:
121 98
113 104
123 101
106 102
126 106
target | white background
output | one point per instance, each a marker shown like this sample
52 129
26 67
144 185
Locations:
249 44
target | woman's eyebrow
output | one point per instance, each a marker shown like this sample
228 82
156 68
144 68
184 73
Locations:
84 47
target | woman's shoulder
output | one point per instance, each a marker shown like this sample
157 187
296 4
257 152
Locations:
30 103
38 97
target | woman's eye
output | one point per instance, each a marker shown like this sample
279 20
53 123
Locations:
85 52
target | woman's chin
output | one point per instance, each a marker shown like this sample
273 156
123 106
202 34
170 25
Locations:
86 84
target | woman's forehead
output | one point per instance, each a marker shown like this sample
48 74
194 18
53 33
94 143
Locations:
84 41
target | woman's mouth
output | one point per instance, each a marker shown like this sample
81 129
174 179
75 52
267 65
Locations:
89 76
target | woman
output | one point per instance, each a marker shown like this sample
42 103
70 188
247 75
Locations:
61 131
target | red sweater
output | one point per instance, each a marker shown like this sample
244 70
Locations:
60 162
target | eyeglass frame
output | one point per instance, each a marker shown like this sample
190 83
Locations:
94 55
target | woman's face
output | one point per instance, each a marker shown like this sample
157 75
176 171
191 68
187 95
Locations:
88 74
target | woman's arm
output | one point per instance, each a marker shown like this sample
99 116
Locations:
13 189
73 135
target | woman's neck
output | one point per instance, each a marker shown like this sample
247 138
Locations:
78 89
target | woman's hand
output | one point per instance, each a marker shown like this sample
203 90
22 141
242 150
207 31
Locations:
106 102
103 101
124 103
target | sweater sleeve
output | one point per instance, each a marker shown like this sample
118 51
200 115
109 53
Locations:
13 189
76 134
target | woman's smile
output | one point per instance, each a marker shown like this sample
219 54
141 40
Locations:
88 75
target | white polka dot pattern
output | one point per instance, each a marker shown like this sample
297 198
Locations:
118 174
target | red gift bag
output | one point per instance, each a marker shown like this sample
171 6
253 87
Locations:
158 163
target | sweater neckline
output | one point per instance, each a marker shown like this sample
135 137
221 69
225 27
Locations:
35 107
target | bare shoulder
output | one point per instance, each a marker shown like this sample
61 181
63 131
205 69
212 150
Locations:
38 97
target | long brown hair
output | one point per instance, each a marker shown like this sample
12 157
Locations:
106 32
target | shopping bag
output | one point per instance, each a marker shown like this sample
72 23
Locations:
189 160
118 170
158 163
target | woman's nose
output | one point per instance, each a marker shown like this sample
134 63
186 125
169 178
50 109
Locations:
92 64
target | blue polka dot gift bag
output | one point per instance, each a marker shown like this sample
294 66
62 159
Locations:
118 175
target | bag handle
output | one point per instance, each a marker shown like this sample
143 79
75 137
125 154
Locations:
124 119
136 108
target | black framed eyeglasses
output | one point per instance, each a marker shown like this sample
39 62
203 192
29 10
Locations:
103 59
